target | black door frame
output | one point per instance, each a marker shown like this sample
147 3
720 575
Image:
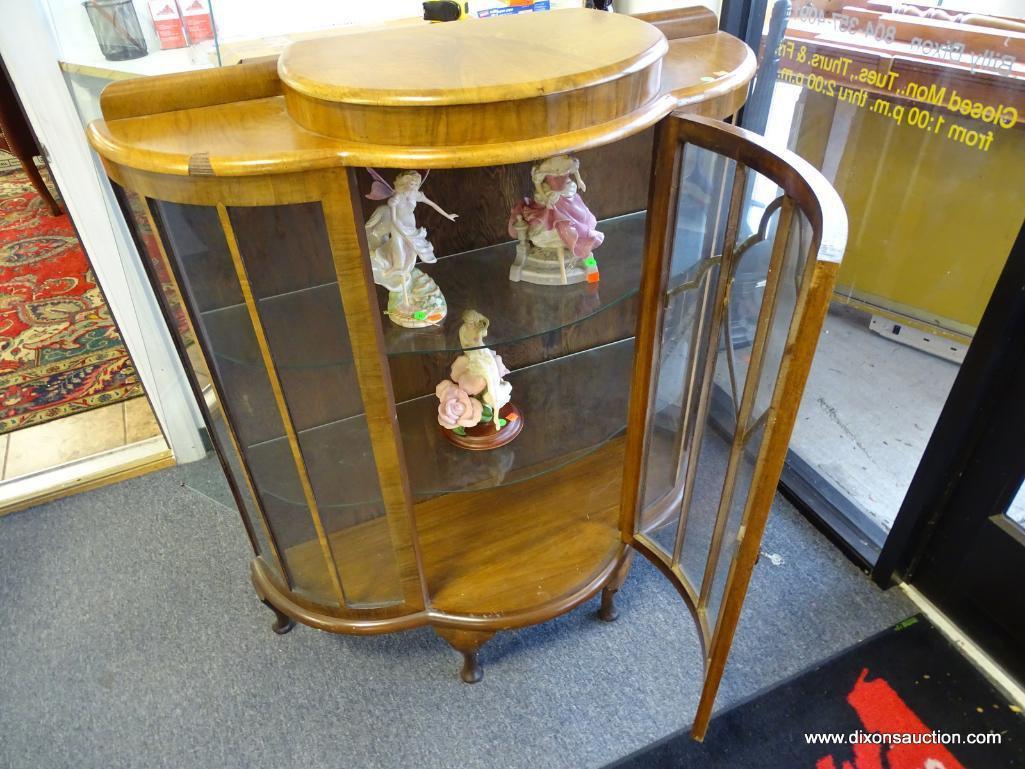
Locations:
974 460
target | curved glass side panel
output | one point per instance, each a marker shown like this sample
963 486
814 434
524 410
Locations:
173 307
290 270
332 535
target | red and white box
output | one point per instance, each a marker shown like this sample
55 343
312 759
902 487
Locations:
167 23
196 15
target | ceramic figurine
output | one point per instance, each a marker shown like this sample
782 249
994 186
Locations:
395 243
555 232
474 406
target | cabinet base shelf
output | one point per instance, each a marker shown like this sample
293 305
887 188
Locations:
493 560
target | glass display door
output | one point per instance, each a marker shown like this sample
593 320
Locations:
721 379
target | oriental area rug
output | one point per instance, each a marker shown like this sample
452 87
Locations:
904 699
60 352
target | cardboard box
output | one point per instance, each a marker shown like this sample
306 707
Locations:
514 6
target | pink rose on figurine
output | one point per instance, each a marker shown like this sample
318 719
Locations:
456 407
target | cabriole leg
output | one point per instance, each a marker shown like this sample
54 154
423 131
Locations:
608 611
282 622
467 643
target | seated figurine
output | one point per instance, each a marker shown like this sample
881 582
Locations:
555 232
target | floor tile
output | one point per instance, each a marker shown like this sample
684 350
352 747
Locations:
65 440
140 422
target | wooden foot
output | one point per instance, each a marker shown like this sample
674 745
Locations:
282 622
608 611
467 643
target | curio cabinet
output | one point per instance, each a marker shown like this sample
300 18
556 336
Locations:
477 311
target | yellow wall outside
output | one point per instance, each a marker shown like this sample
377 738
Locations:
931 220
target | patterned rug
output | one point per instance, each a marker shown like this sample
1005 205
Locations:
60 352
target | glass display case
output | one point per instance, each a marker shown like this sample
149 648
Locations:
491 459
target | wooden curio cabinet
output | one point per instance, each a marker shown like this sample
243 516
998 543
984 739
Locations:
657 401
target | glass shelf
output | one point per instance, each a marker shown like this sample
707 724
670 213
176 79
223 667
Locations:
472 279
479 280
571 406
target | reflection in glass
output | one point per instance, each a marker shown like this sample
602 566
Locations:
925 245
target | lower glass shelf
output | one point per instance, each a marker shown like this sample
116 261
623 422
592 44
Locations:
571 406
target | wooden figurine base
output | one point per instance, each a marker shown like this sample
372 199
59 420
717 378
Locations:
485 437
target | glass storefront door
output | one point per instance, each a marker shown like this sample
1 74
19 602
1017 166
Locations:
915 113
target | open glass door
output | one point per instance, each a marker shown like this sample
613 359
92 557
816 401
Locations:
749 242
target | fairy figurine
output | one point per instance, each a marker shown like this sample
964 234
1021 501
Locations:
555 232
395 243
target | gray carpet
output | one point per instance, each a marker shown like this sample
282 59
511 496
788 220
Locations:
130 637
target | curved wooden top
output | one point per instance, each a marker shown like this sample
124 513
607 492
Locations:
235 122
504 58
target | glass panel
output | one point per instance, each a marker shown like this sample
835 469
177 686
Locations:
731 528
705 184
193 238
208 278
683 349
700 464
705 181
134 208
712 461
916 122
300 309
758 237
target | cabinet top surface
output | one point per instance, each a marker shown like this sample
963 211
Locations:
233 121
487 60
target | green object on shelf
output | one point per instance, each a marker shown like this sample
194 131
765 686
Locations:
591 261
502 422
420 315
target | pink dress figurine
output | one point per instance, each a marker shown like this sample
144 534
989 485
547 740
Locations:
555 232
